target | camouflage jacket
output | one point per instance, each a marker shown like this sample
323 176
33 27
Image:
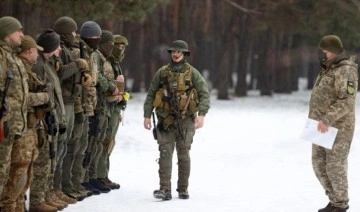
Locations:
16 96
333 96
197 81
89 94
104 85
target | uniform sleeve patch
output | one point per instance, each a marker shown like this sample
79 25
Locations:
350 87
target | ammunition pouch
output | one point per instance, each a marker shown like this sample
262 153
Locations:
31 120
165 124
40 112
161 101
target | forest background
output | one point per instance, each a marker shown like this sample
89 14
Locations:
238 45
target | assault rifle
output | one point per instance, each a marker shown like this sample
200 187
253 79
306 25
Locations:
51 132
154 130
9 77
174 105
93 132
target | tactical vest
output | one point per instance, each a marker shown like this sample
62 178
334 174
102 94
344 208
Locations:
176 94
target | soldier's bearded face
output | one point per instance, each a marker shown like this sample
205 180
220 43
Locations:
177 56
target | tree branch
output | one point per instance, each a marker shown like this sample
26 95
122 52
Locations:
241 7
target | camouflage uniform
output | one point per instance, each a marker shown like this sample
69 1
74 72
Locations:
104 87
115 109
48 135
23 154
177 83
333 102
16 101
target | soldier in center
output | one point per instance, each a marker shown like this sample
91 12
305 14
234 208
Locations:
180 97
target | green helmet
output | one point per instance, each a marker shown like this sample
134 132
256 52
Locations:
331 43
179 45
121 39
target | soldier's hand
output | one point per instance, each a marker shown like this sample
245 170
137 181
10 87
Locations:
83 65
116 92
147 123
199 122
321 127
120 78
86 80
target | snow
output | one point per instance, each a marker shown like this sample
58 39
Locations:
248 157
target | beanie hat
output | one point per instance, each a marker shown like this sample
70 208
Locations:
28 42
65 25
121 39
106 36
331 43
90 29
49 40
8 25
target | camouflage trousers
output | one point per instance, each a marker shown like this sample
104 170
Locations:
109 141
168 141
80 140
42 169
96 148
331 166
24 152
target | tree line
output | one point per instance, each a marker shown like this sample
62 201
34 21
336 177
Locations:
238 45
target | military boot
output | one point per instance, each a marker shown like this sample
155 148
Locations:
64 197
42 208
164 194
52 200
183 194
89 187
330 208
103 189
73 194
107 182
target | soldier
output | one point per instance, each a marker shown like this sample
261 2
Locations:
105 87
90 33
55 117
13 95
115 109
180 97
13 198
70 78
332 103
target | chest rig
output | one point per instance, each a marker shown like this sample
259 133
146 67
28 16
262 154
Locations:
176 96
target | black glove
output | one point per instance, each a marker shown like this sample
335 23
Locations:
52 130
62 129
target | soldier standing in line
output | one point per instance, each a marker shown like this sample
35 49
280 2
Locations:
70 72
13 198
13 95
90 33
115 109
55 117
332 103
105 87
180 97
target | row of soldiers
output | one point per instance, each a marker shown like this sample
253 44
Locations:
62 96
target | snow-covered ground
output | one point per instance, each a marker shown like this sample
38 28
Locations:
247 158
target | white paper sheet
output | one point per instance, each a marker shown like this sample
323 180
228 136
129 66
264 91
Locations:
311 134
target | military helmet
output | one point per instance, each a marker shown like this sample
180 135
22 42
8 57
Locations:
90 29
121 39
331 43
179 45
